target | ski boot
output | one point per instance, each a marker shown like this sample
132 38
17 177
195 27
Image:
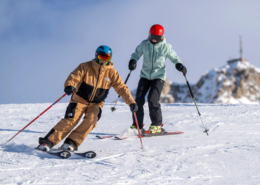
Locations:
156 130
43 147
69 145
142 131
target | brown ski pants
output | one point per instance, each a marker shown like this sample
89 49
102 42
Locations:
72 117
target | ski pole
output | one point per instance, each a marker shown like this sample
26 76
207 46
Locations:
206 130
138 130
36 118
114 108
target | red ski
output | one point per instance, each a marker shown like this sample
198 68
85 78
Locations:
121 138
152 135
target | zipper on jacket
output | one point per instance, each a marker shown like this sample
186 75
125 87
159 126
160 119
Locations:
152 64
94 93
155 57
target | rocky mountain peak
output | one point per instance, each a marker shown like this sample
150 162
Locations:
236 82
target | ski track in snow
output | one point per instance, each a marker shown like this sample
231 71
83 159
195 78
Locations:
229 155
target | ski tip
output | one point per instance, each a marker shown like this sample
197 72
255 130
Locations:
178 132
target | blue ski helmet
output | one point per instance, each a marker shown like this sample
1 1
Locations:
103 50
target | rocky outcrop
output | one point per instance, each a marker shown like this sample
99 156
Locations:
166 97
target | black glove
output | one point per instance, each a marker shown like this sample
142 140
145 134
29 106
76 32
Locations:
132 64
181 68
69 90
133 107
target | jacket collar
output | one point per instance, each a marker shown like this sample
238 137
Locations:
97 66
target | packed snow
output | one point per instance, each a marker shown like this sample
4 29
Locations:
229 155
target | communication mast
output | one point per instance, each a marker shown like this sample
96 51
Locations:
241 49
241 53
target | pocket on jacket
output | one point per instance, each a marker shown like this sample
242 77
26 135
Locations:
85 91
100 95
70 112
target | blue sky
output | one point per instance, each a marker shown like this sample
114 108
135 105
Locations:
41 42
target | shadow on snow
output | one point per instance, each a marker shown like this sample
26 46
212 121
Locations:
24 149
30 131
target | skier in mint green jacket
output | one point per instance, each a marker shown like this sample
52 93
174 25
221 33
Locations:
155 50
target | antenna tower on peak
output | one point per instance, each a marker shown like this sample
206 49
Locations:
241 53
241 49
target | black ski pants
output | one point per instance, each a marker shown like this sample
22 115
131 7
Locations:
153 98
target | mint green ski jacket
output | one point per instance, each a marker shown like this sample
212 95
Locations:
154 57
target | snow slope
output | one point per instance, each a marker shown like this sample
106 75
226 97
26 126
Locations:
229 155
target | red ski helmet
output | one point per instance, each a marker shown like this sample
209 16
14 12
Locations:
156 33
157 29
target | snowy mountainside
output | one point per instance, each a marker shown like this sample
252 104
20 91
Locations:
236 82
229 155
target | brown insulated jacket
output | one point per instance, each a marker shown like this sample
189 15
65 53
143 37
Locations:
93 82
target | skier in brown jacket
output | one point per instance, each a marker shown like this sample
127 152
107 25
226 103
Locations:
93 80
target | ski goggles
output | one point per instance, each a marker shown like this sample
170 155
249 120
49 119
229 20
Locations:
158 38
105 57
